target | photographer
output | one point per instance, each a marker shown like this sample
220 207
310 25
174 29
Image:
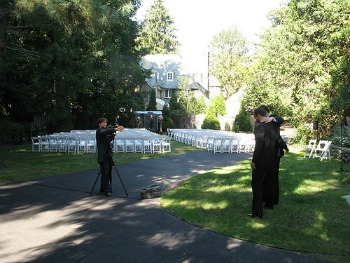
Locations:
104 137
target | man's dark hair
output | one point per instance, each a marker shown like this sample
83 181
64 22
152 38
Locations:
261 111
265 108
100 120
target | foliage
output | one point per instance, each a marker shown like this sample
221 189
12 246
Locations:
167 121
175 106
71 61
12 132
242 121
197 106
152 101
301 68
217 106
157 31
211 122
228 59
341 135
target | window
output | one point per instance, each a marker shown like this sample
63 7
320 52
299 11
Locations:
167 93
170 76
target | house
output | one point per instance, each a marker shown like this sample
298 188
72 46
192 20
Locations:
167 70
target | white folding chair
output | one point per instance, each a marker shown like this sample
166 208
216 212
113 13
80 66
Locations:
72 144
53 143
210 144
166 145
119 145
322 150
138 146
36 144
310 148
217 145
156 145
226 145
129 146
234 146
91 146
147 146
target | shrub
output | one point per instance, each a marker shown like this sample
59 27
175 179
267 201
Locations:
242 121
13 132
211 122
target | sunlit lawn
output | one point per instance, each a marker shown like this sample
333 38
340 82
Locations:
312 216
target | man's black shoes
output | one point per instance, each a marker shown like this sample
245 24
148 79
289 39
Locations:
258 215
108 194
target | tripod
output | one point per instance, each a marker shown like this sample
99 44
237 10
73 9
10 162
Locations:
341 151
109 158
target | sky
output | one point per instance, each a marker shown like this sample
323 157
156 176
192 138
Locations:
197 21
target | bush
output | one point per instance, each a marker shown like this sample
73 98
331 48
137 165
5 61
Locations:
211 123
341 135
303 134
167 123
13 132
242 122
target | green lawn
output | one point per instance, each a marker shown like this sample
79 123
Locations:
19 163
312 216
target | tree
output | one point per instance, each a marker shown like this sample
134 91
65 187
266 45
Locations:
217 106
301 69
69 61
152 106
228 51
157 33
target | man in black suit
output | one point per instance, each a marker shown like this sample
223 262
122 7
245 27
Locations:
281 146
104 137
263 161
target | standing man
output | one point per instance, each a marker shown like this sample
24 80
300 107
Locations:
263 161
280 147
104 138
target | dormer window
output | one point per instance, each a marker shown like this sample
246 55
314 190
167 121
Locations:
170 76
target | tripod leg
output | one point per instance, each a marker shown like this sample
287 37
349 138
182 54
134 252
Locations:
95 183
120 179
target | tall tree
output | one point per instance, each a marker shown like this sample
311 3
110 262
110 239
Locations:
302 68
158 34
228 51
68 59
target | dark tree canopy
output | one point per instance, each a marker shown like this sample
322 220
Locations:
68 61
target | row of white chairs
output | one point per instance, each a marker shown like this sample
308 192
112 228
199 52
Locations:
320 149
214 141
130 140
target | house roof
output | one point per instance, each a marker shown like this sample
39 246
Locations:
163 64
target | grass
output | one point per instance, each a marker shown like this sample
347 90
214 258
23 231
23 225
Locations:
312 216
18 163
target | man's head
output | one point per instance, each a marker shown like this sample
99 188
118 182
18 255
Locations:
265 108
260 114
102 122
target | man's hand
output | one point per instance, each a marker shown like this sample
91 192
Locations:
252 165
119 128
270 119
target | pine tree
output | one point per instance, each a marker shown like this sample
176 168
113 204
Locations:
157 33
